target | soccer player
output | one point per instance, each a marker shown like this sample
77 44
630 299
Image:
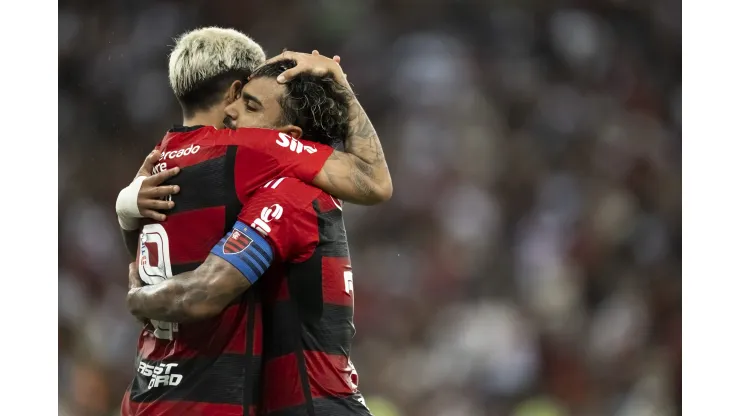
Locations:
307 296
206 71
209 367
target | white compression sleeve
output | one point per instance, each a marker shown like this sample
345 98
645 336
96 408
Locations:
127 207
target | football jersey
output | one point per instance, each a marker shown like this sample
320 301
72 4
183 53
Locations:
307 302
208 367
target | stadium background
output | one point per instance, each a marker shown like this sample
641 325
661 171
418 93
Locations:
529 261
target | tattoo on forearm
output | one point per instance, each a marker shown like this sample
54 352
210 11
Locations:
362 139
182 298
364 143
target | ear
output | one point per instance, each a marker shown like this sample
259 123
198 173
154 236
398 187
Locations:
294 131
234 92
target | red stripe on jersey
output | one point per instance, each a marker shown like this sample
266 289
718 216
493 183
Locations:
330 375
282 383
166 407
182 227
223 334
335 288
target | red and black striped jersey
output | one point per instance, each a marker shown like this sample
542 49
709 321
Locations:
209 367
307 303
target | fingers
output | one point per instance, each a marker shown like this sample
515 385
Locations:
291 73
155 204
160 191
148 213
282 56
148 166
161 176
312 64
319 69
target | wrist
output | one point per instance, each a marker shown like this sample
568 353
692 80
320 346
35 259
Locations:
127 205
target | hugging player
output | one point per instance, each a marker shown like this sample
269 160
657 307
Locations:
181 366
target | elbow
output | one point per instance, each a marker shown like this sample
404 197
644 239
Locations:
133 306
374 193
382 189
384 192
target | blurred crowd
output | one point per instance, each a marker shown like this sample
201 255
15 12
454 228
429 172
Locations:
529 263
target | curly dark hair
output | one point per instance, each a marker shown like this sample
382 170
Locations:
318 105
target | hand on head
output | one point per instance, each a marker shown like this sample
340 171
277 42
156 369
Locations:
312 64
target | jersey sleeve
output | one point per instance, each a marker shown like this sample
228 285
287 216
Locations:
264 154
283 213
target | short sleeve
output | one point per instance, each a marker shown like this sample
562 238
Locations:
264 154
282 211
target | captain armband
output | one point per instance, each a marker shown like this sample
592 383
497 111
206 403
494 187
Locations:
245 249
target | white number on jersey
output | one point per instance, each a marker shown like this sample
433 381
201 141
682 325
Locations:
348 286
155 267
271 213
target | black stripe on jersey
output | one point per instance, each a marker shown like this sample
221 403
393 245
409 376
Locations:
329 406
179 128
252 369
202 185
184 267
332 334
332 234
217 379
305 284
232 202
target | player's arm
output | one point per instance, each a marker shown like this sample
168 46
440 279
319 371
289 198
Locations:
234 264
360 175
238 260
142 198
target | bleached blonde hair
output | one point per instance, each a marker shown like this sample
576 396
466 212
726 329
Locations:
205 54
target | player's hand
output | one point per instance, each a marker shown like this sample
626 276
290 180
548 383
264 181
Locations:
312 64
149 198
147 167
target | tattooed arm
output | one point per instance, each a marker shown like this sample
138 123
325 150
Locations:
235 263
362 168
191 296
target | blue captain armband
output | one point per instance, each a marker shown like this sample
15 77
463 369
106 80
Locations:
246 250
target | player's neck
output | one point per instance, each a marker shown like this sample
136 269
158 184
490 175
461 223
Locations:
213 117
